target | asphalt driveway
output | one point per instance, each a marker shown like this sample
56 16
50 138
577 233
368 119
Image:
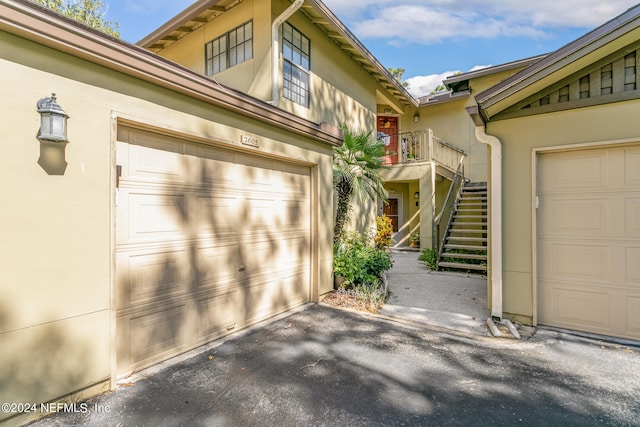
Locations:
323 366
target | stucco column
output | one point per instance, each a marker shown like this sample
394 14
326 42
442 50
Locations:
427 207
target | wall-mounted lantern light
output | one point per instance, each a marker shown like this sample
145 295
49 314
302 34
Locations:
416 117
53 120
416 195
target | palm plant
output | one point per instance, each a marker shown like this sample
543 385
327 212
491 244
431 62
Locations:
356 172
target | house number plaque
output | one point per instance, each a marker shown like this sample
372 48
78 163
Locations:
248 140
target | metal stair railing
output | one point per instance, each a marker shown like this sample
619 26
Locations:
445 215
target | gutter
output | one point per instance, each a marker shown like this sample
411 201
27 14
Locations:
495 200
275 49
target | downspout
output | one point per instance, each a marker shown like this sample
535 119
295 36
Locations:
275 49
496 219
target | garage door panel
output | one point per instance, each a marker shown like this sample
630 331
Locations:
218 265
216 166
149 337
632 217
294 213
259 214
294 179
632 168
257 173
218 315
158 159
633 314
566 261
149 277
580 305
150 216
217 216
587 170
575 216
589 240
633 266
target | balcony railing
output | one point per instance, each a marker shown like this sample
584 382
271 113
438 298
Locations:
420 146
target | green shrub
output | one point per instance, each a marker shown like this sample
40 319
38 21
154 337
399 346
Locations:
358 261
430 258
377 262
384 232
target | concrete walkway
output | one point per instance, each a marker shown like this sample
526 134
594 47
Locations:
449 300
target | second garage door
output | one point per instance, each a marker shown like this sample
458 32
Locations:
589 240
208 241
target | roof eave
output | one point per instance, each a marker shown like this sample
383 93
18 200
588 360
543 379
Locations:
521 63
383 73
32 22
338 32
570 53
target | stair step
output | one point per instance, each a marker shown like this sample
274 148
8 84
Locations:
462 266
469 201
471 206
467 239
465 247
477 189
463 255
466 231
468 224
458 217
470 211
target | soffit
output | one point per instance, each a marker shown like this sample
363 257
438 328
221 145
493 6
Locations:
319 14
189 20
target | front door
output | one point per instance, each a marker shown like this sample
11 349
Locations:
393 210
388 132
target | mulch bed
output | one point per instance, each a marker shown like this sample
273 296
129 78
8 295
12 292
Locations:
345 299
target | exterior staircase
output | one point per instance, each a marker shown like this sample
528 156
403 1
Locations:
465 244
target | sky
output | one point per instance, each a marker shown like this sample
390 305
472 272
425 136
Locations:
429 39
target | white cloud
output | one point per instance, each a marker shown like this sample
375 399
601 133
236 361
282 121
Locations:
423 85
433 21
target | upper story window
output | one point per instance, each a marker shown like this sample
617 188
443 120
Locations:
230 49
296 49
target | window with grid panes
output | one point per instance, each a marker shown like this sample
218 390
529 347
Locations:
296 49
585 87
606 79
630 71
232 48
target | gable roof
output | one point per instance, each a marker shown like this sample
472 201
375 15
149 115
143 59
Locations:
203 11
40 25
456 81
604 40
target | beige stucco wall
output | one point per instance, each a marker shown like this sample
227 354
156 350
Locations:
57 229
252 76
341 91
599 124
451 123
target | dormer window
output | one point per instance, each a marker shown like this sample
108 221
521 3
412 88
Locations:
230 49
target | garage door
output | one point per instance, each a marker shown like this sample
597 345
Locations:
208 241
589 240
